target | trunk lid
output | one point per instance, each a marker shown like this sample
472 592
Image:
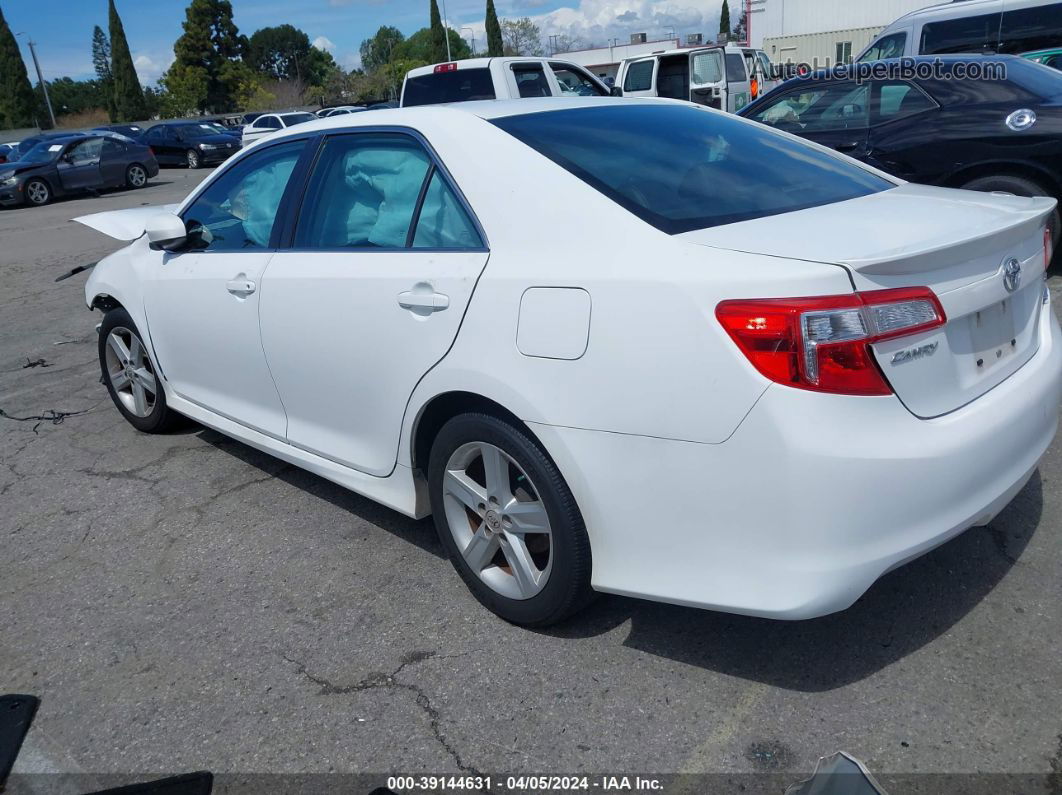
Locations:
960 244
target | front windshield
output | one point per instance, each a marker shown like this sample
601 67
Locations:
44 152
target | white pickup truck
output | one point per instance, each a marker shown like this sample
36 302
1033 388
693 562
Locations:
498 78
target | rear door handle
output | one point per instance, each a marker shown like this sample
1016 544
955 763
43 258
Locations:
241 286
430 302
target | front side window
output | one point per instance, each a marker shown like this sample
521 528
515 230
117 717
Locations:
531 81
890 46
735 68
574 83
680 167
113 148
460 85
639 76
236 212
267 123
819 108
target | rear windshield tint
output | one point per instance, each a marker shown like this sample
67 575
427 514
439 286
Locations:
460 85
680 168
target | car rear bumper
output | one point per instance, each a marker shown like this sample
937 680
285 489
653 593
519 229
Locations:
813 497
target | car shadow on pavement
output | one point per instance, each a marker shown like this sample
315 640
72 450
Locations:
902 612
420 533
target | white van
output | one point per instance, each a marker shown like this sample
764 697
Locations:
498 78
972 26
725 78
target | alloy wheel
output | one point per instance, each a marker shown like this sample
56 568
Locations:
130 373
193 159
37 192
498 521
137 176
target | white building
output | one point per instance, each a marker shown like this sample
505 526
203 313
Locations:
801 31
604 61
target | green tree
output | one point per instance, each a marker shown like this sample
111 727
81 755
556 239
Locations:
419 47
17 100
724 19
438 35
185 90
521 37
128 95
495 44
210 42
284 53
101 62
741 29
378 50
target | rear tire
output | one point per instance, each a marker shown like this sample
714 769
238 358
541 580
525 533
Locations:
192 158
1019 186
516 537
136 176
131 380
37 192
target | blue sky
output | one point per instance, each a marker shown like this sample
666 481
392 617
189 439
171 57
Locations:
62 29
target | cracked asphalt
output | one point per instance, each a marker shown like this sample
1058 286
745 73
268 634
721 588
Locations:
184 602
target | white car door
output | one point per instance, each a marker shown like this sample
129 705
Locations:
640 78
369 296
202 302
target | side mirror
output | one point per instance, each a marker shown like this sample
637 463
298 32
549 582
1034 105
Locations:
165 232
616 91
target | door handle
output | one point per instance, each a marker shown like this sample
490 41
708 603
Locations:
241 286
423 301
849 147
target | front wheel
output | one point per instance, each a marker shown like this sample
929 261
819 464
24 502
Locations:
37 192
192 157
130 377
508 521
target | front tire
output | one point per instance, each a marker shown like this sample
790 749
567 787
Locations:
136 176
192 158
130 376
508 521
37 192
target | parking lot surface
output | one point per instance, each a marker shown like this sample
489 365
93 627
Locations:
184 602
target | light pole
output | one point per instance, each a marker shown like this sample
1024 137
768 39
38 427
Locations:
446 31
40 79
472 38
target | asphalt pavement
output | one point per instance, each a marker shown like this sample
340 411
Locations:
184 602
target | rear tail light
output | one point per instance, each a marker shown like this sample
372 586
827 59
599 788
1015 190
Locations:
446 67
152 151
823 344
1049 247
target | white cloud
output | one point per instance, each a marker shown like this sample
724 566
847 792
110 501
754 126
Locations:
595 22
350 60
324 43
150 69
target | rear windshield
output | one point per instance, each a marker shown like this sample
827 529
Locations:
1039 80
460 85
680 168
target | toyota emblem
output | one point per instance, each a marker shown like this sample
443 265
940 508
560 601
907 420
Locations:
1011 274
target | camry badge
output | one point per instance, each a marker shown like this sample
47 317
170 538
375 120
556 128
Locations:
909 354
1011 274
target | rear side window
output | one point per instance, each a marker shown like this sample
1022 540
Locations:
679 167
460 85
268 123
639 76
965 34
1027 29
706 67
899 100
443 222
890 46
531 81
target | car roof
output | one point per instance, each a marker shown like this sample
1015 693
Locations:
484 63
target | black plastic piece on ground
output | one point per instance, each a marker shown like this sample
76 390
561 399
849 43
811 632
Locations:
16 715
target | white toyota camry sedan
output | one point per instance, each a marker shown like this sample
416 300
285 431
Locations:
630 346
